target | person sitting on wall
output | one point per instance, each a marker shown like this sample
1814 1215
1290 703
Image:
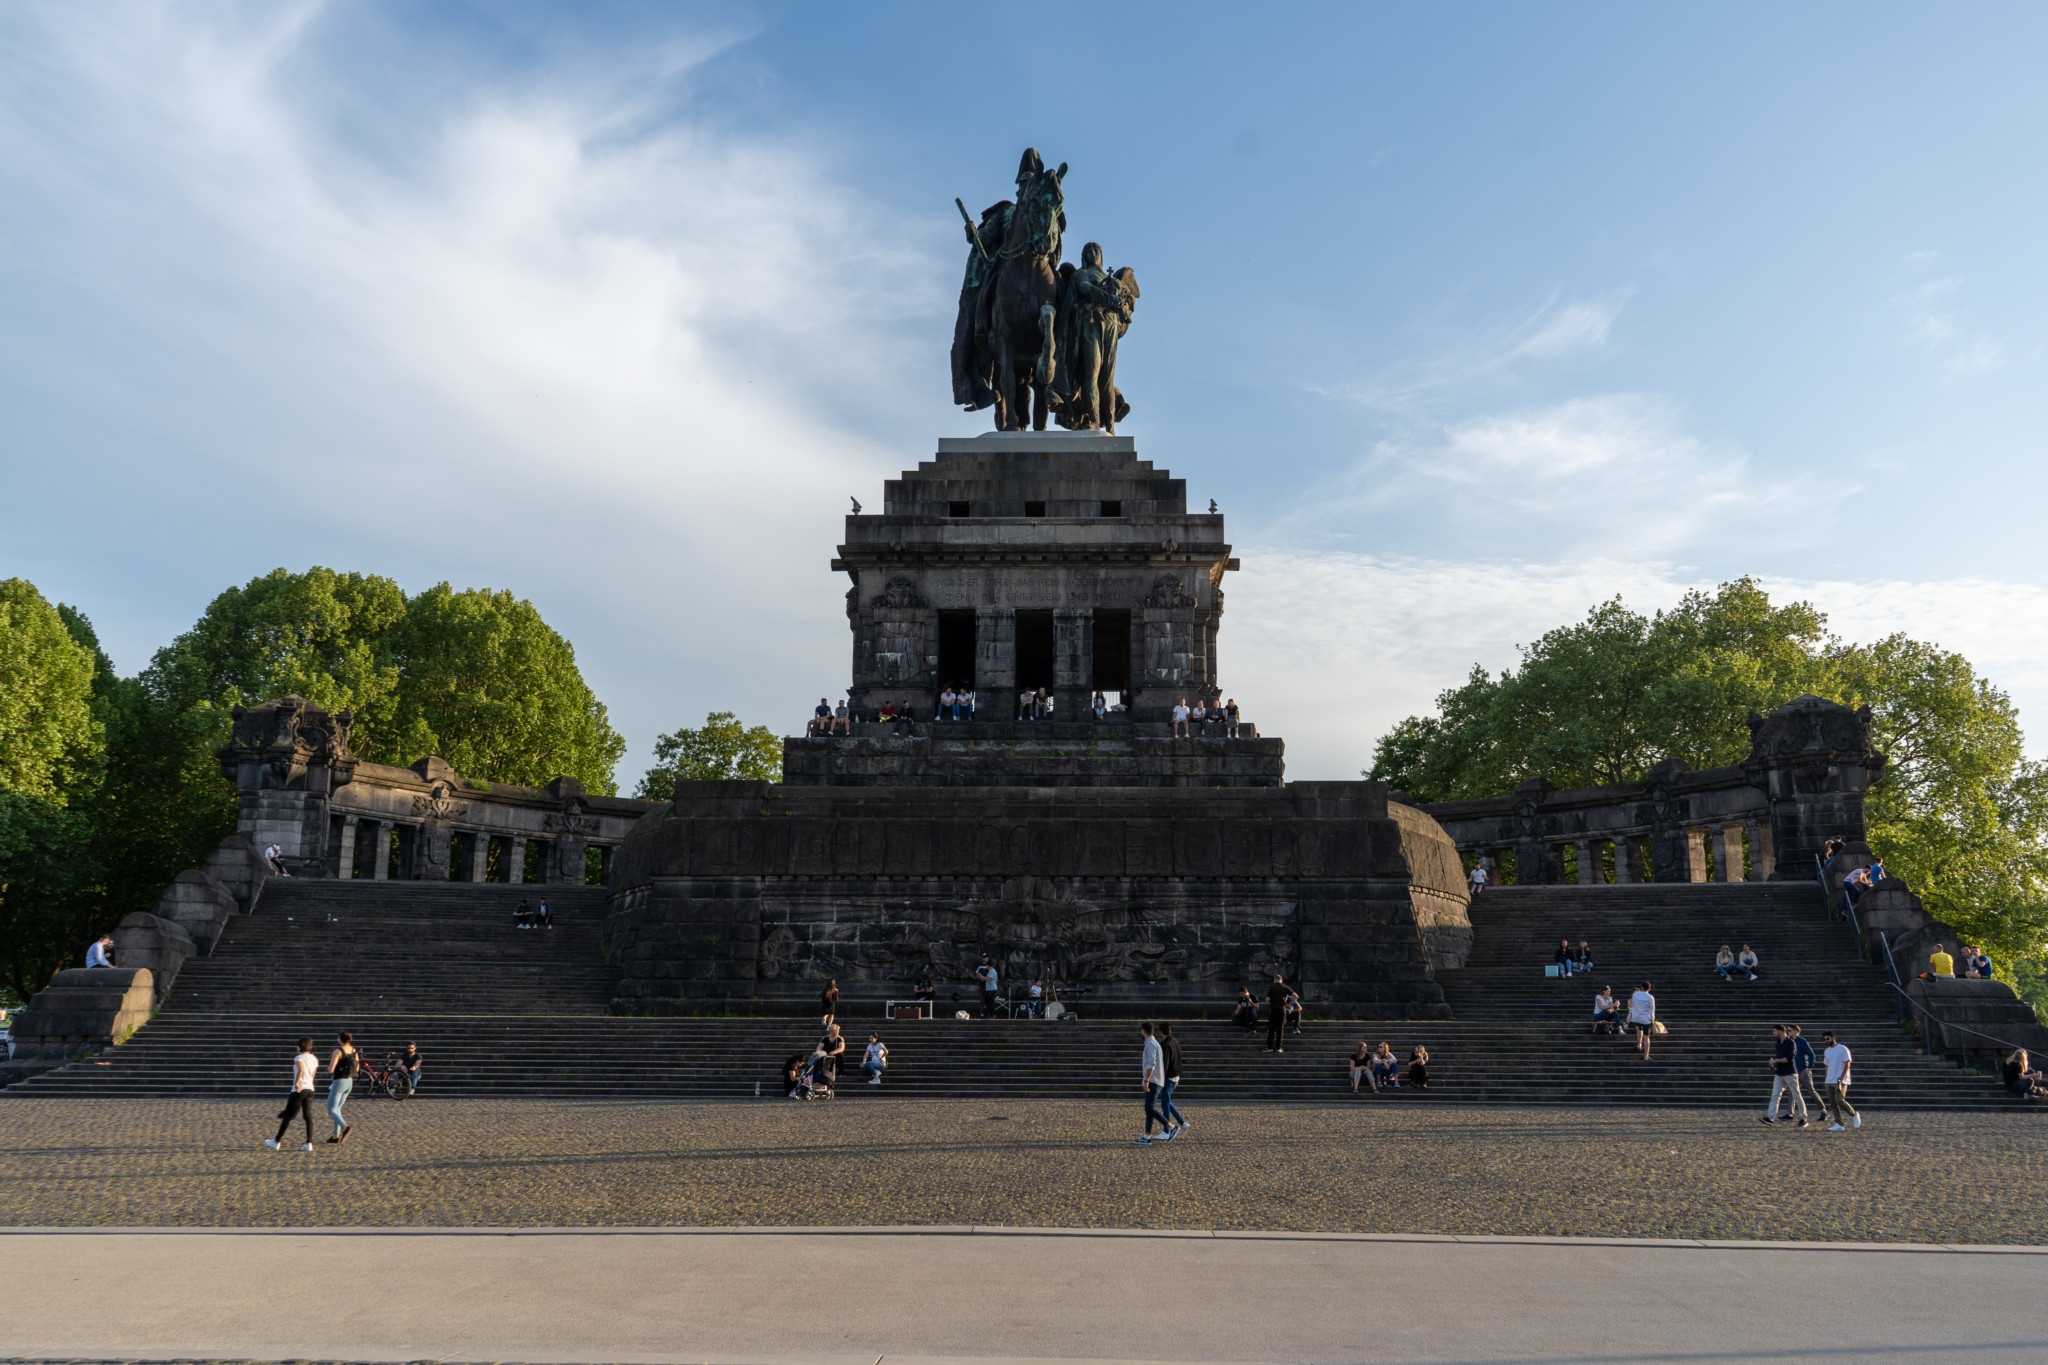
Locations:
273 858
1745 961
841 721
1944 966
1099 706
1834 846
1245 1014
1478 877
967 700
821 718
1180 719
100 953
1198 717
947 699
887 713
1979 965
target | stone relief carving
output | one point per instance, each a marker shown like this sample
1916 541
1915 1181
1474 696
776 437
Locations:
1168 590
440 803
900 593
570 820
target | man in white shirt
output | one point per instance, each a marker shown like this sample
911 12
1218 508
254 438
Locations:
1153 1063
1642 1013
1479 876
1838 1059
101 953
1180 719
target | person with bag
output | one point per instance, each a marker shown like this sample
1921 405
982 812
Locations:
305 1066
1642 1016
341 1079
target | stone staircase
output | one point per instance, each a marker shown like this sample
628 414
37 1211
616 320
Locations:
502 1012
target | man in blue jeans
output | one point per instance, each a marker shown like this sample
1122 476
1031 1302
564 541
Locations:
1169 1046
1153 1063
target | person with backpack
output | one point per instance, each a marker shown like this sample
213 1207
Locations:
1169 1047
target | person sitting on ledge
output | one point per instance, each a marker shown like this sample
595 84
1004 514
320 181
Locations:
1978 964
841 720
821 718
887 713
1745 961
1943 964
1724 963
1246 1015
947 702
100 952
1100 707
967 701
1833 847
1180 719
1606 1012
1478 876
1198 717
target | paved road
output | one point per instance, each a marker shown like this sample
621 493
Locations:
867 1297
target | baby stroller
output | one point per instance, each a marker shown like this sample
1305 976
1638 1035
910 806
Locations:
813 1079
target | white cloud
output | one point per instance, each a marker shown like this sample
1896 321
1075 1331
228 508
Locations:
1934 324
617 363
1329 650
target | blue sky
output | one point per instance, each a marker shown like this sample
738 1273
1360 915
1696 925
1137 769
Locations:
1468 317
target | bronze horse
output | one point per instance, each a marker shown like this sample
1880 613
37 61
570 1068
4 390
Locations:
1023 309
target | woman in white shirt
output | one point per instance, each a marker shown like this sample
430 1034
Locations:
1642 1012
305 1067
1605 1009
877 1059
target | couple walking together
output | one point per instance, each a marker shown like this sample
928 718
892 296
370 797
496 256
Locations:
1160 1063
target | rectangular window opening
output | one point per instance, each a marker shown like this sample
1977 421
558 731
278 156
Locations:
1112 653
956 649
1112 507
1034 509
959 509
1034 649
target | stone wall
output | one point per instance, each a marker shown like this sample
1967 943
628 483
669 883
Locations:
1110 753
747 896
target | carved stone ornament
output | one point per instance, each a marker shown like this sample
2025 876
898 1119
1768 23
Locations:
1169 591
440 804
290 735
901 593
570 820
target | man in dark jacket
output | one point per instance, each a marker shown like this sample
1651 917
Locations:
1169 1047
1276 1013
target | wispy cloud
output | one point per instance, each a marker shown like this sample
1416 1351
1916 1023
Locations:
539 339
1933 322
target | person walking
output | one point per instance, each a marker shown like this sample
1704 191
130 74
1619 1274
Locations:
305 1066
341 1079
877 1059
1276 1013
1169 1047
1642 1014
828 1003
1784 1075
1838 1059
1152 1063
1802 1067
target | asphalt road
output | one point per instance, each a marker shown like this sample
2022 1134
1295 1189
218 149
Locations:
871 1296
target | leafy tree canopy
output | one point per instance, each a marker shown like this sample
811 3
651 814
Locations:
49 738
1962 815
722 749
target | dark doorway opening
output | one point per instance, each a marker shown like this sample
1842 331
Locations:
1034 649
956 649
1112 652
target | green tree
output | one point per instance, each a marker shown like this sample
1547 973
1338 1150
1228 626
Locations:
51 759
722 749
1962 816
487 684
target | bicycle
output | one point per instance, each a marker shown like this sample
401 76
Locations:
391 1078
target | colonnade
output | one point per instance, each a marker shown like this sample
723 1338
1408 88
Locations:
1728 852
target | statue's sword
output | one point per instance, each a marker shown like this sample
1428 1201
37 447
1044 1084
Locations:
972 231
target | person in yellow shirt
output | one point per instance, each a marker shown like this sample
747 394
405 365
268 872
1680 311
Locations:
1943 964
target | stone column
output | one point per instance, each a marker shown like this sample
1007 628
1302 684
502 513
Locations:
1693 854
1761 863
995 663
1628 861
347 866
1589 862
515 867
1073 661
1728 854
479 856
382 871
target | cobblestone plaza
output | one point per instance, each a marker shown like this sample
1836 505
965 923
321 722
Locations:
1922 1177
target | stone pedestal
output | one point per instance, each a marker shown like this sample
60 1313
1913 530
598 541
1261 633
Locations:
1813 759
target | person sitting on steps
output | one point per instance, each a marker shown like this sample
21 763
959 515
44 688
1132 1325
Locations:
1606 1011
1418 1067
1246 1013
1745 961
1566 958
1724 963
1386 1067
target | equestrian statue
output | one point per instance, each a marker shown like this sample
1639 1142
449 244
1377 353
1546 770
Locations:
1035 337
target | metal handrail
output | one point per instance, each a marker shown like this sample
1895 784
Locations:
1931 1017
1820 875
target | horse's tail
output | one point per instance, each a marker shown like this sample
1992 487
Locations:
1047 315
